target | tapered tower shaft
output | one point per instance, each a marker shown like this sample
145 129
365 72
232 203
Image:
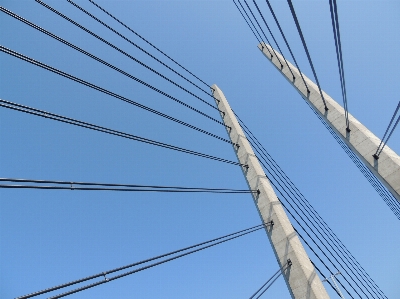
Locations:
360 140
301 278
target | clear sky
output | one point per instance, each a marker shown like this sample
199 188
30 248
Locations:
52 237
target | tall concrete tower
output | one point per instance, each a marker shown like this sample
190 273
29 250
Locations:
360 140
301 278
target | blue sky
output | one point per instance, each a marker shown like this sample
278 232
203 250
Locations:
52 237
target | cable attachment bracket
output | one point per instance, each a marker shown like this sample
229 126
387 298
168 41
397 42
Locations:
105 277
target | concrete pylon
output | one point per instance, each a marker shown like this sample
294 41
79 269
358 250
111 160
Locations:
360 140
301 278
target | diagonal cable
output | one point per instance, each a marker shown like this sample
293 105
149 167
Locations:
278 174
276 43
306 50
338 46
287 43
213 242
70 185
121 51
138 47
145 40
379 149
280 271
76 79
100 60
280 62
45 114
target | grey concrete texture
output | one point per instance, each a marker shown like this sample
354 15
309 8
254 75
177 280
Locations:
360 140
301 278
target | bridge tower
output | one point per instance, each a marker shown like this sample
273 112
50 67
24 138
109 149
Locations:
301 277
359 139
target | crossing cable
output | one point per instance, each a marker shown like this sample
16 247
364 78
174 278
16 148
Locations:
259 40
70 185
145 40
376 155
45 114
10 13
276 43
126 54
105 91
280 62
319 258
306 223
306 50
388 198
338 45
249 25
287 43
214 242
314 229
138 47
276 178
322 275
280 271
314 214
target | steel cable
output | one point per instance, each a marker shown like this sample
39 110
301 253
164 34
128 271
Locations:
260 39
101 61
306 223
121 51
214 242
376 155
306 50
286 183
314 215
283 268
145 40
319 258
60 185
287 43
45 114
392 203
141 49
246 21
338 46
105 91
280 62
276 43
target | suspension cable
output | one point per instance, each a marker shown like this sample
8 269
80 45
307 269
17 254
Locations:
70 185
259 39
314 215
287 44
338 46
214 242
45 114
280 271
145 40
376 155
248 24
276 43
76 79
388 198
306 50
280 62
319 258
121 51
138 47
298 197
